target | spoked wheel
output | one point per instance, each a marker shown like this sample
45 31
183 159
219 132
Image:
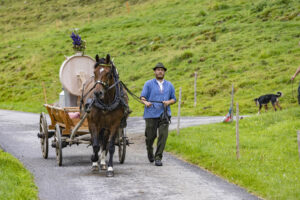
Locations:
44 135
122 144
58 145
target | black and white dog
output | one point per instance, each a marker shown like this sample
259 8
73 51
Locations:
265 99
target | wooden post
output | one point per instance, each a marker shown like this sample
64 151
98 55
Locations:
44 90
178 114
298 139
57 23
237 132
195 90
128 8
232 94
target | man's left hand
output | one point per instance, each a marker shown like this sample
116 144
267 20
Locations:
170 102
166 103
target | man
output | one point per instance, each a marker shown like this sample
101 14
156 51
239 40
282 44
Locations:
155 91
293 77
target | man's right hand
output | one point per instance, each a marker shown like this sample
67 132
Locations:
148 104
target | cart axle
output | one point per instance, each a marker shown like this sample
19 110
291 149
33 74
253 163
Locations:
42 135
63 144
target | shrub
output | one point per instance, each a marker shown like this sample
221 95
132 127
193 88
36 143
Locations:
218 6
201 13
284 2
186 55
259 7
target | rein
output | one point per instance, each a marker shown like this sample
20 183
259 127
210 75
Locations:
135 97
293 89
164 117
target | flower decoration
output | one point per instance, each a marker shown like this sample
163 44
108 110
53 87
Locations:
78 43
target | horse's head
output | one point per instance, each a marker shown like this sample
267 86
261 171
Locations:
103 76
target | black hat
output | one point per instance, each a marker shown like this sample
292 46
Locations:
159 65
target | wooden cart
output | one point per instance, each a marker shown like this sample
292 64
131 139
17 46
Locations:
67 131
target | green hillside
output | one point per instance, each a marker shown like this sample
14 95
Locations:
251 44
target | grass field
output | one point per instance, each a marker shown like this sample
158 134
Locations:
251 44
15 182
269 163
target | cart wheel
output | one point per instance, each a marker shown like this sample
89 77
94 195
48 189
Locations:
44 135
122 144
58 145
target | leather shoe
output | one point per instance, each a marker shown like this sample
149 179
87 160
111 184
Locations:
158 163
150 157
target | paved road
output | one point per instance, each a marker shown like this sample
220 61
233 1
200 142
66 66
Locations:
136 179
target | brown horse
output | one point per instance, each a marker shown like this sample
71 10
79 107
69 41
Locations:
107 104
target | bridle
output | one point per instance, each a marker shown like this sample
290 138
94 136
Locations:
104 84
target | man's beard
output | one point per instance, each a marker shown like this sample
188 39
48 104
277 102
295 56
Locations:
160 77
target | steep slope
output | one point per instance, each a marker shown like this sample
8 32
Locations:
251 44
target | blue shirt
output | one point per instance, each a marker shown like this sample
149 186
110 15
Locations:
152 92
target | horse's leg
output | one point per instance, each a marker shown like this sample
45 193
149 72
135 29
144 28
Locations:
103 159
103 152
96 148
111 149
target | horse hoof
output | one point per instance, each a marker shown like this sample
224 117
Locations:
103 167
110 174
95 167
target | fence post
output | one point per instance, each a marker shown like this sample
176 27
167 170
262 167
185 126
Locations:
237 132
298 139
195 90
178 113
128 8
232 95
44 90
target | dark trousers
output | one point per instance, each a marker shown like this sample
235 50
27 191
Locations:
152 125
299 94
